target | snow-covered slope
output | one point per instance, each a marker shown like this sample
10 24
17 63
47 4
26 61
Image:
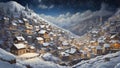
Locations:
36 62
5 58
91 20
105 61
39 63
11 5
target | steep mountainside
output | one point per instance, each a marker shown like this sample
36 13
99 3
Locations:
95 19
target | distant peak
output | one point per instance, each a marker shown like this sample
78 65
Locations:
12 2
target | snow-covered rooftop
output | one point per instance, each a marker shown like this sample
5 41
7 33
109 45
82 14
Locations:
99 62
28 55
71 50
42 26
65 43
106 45
39 38
32 47
20 38
98 47
20 46
46 44
64 54
24 19
42 31
20 21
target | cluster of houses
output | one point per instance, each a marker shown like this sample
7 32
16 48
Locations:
103 40
22 35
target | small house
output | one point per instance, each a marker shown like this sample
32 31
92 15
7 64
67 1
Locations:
46 37
37 28
19 39
13 25
29 29
98 50
64 56
41 33
106 48
31 49
42 27
46 44
21 48
40 40
18 49
65 43
83 54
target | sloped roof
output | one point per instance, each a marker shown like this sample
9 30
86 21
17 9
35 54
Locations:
42 31
39 38
20 46
20 38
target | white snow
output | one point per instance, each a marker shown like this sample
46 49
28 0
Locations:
65 43
64 54
98 47
39 38
50 57
39 63
42 31
8 65
45 44
20 21
106 45
20 38
32 47
118 65
42 26
24 19
5 55
20 45
112 36
28 55
99 62
12 5
71 50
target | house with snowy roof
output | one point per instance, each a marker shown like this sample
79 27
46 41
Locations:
98 50
29 29
106 48
64 56
13 25
41 33
18 49
83 54
5 20
46 37
21 48
19 39
37 28
39 40
44 34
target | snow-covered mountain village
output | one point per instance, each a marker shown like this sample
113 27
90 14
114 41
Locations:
29 41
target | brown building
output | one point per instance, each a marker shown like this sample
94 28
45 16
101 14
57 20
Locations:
19 49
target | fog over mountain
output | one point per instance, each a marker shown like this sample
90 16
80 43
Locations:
79 23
